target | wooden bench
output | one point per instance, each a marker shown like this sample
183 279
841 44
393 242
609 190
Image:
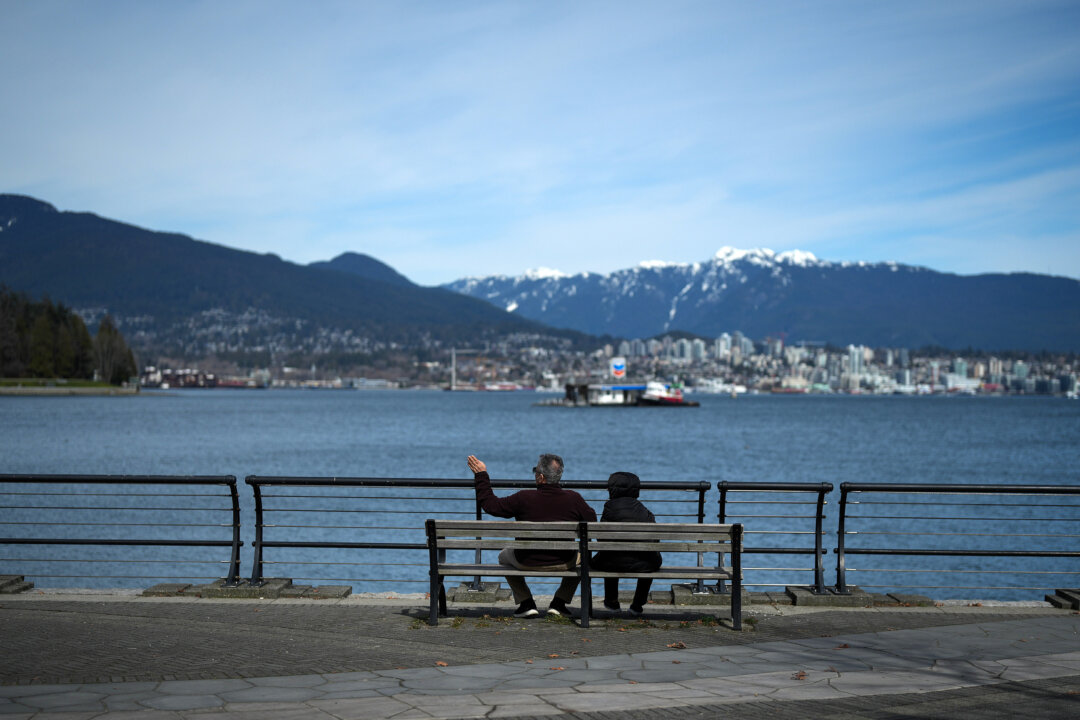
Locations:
672 539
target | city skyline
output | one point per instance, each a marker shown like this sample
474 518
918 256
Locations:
480 138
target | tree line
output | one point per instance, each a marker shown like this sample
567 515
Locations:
46 340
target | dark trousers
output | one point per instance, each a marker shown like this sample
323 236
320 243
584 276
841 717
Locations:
641 593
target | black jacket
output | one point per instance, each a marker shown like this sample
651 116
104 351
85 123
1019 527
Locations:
625 507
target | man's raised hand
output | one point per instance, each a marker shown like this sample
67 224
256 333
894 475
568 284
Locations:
475 465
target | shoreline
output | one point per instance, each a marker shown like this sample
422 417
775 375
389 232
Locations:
61 390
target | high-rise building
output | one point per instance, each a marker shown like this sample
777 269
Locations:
722 346
855 359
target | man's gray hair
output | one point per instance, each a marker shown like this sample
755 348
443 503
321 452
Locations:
551 467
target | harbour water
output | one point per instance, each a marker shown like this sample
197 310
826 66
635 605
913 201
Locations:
417 434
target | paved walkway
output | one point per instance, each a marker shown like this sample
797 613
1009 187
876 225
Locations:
77 657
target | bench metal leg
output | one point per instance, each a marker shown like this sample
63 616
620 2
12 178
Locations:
442 600
586 601
435 590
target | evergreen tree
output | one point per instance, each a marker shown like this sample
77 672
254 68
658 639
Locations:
115 361
44 340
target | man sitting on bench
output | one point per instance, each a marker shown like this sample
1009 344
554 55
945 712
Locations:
547 503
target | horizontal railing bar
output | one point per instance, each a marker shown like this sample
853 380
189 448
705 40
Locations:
774 486
967 572
348 527
104 494
470 498
921 534
962 587
37 574
974 518
345 545
173 561
88 524
99 541
962 553
122 479
778 532
315 562
781 551
788 517
366 579
810 503
445 483
106 507
367 511
956 504
961 489
777 569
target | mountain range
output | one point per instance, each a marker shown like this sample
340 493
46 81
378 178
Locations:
184 297
799 297
172 293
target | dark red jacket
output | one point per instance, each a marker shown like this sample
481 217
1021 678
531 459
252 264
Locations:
545 504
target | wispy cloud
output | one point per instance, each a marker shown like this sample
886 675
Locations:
453 139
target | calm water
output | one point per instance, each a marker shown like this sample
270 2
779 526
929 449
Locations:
428 434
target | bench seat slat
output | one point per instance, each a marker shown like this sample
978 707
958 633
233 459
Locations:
502 570
672 572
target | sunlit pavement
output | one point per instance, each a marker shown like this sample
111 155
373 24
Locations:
90 656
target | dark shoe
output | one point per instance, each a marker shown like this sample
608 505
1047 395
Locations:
635 611
526 609
558 607
614 607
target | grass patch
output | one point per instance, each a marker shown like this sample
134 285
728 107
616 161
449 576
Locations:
51 382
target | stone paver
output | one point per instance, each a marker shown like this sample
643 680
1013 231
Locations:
677 663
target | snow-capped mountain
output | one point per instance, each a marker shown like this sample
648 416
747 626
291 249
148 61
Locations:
762 293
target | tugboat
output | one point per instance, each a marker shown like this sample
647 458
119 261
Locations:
658 394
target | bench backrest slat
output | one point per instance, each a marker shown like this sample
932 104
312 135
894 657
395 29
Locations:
505 528
663 547
498 544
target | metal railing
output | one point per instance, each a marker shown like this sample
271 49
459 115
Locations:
779 525
979 523
380 514
119 511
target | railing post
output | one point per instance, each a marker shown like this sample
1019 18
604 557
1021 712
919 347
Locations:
819 569
434 581
583 569
736 581
703 487
234 562
257 564
721 586
841 579
478 553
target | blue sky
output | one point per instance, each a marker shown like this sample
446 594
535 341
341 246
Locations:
451 139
